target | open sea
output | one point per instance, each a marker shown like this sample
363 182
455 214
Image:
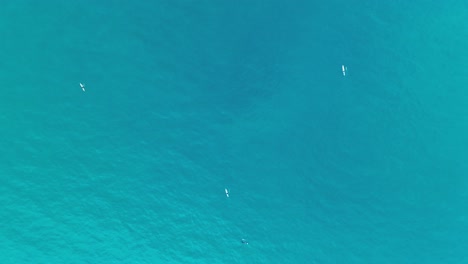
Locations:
184 99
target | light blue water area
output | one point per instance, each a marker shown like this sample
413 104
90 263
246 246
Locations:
186 98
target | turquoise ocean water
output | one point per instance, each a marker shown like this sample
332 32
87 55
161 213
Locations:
186 98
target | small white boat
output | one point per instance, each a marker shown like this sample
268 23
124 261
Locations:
227 192
344 69
82 87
